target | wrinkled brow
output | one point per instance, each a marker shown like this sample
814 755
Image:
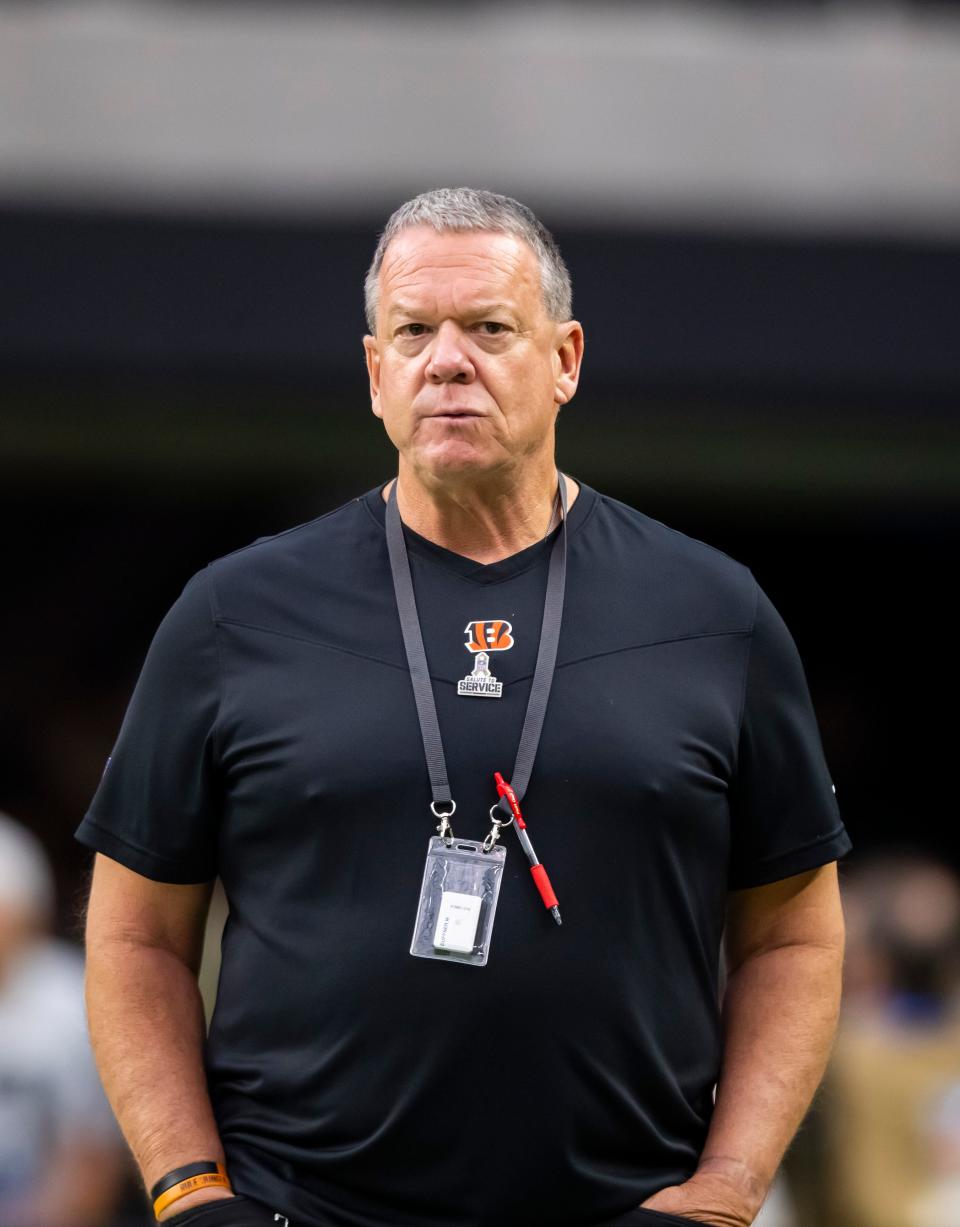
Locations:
476 312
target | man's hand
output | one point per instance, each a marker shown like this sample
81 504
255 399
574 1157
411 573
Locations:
784 947
720 1192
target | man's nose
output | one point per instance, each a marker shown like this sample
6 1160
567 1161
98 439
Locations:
449 360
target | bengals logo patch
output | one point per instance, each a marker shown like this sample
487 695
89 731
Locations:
492 635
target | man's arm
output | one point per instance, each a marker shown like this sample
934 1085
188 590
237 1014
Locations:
784 946
144 940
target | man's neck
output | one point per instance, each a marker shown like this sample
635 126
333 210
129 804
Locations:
486 521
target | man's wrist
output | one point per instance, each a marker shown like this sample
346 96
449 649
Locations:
191 1201
751 1187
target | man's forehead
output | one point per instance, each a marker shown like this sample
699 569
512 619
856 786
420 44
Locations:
420 258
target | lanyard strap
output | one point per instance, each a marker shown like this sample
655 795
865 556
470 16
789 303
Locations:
420 674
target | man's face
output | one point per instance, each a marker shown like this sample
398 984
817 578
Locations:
466 369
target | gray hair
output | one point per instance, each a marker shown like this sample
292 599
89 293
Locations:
467 208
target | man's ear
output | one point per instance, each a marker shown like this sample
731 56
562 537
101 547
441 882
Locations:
372 353
569 355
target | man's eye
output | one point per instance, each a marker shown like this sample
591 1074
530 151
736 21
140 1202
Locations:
413 330
491 328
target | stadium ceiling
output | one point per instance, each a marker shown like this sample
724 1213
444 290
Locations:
833 117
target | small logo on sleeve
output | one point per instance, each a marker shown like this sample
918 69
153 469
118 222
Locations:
484 637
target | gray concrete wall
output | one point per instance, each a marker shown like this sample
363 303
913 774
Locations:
833 117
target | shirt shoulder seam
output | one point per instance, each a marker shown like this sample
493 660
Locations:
285 532
676 532
653 643
320 643
564 664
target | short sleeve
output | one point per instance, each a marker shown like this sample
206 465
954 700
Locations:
157 806
784 813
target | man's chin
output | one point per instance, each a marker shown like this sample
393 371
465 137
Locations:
454 462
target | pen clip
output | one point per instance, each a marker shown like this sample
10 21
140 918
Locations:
504 790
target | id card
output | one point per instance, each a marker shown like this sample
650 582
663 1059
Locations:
457 922
458 901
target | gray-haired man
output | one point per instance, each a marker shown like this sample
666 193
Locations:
301 724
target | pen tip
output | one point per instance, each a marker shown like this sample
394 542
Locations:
556 915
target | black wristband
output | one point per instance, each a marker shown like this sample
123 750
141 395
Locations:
182 1173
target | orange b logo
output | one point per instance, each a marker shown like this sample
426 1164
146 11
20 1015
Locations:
489 636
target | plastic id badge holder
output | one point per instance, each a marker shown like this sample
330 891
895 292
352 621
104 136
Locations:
458 901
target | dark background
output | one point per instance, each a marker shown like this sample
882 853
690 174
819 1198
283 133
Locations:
173 386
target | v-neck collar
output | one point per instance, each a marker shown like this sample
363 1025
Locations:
469 568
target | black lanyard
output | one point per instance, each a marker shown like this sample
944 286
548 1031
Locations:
420 674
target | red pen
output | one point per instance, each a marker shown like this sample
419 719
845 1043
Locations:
536 869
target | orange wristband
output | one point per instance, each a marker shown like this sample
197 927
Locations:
209 1180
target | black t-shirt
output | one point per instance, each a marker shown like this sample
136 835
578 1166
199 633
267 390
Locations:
272 739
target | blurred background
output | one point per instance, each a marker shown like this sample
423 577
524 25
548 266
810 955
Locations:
760 207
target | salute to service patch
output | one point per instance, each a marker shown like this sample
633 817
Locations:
484 637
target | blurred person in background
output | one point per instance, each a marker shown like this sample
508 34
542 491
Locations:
62 1160
889 1111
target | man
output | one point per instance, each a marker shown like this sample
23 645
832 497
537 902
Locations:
61 1158
282 737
